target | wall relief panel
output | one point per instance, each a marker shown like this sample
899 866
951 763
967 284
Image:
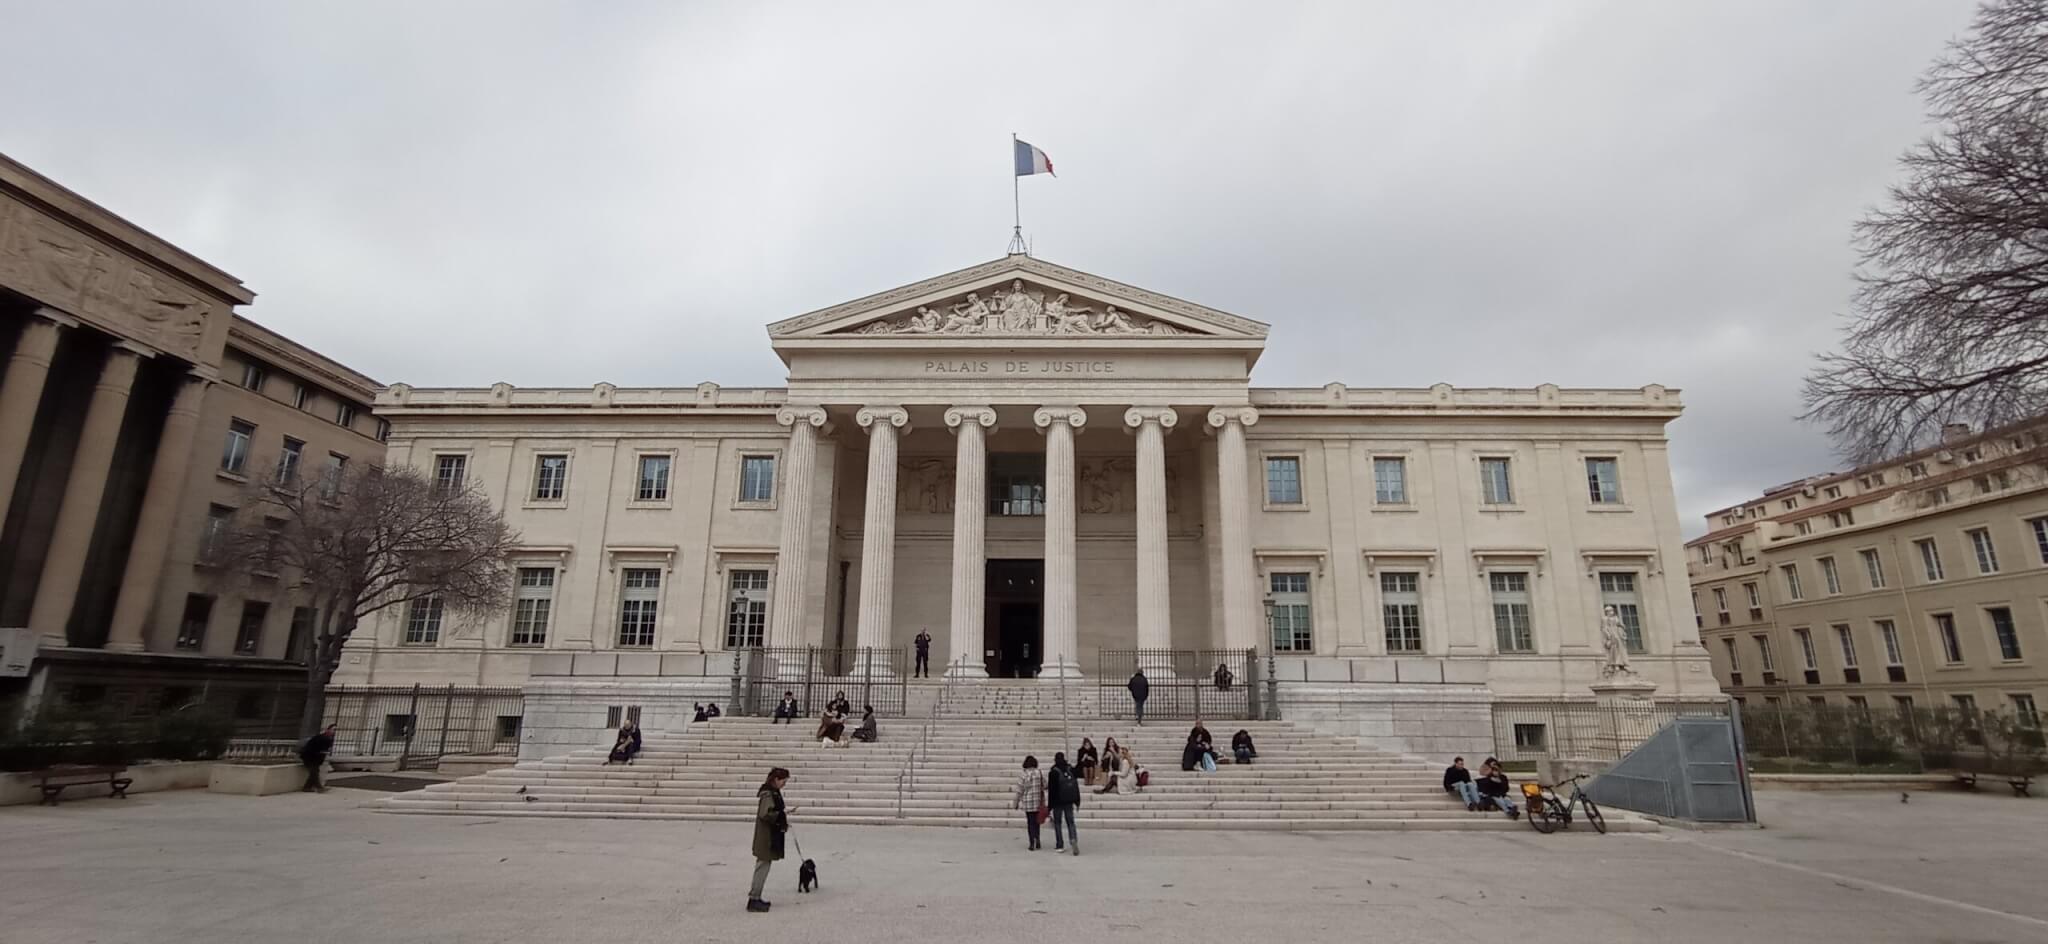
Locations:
47 260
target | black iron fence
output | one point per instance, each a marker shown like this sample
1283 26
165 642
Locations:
815 675
1182 683
1829 738
1528 729
417 725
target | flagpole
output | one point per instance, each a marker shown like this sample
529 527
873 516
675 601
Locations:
1016 202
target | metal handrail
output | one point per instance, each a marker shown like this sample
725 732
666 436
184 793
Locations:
907 777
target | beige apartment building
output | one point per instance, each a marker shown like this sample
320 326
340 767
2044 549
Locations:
1921 581
135 407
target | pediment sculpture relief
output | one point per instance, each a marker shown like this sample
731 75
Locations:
1020 311
45 258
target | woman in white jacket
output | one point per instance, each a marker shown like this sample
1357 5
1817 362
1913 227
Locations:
1030 795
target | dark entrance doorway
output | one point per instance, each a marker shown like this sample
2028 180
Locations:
1013 618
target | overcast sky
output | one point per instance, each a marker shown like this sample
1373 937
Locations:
1486 194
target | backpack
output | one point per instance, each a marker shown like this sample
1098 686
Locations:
1063 788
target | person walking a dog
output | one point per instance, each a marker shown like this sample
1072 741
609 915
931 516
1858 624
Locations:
771 824
1063 795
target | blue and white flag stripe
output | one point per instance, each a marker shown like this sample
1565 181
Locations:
1031 160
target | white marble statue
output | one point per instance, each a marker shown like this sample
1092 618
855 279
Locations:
1614 640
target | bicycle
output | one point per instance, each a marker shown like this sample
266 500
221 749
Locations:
1547 811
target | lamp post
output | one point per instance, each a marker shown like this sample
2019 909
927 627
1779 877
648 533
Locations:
1270 707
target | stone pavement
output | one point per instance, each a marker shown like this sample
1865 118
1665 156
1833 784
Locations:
192 866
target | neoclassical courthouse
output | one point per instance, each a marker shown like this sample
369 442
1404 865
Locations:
1035 465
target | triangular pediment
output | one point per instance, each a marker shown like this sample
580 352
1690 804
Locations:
1019 297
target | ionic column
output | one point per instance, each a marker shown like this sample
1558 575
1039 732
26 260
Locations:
786 628
160 507
1242 617
1155 620
27 369
970 520
878 529
1062 605
71 539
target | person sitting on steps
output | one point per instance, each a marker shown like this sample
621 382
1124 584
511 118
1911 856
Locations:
1223 677
1494 785
1458 780
839 705
785 711
831 730
1241 749
869 731
627 745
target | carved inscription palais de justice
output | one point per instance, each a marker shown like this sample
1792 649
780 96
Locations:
1103 485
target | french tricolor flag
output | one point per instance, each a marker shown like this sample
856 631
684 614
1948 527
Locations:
1031 160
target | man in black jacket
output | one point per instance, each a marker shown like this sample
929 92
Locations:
924 654
314 756
1139 689
1458 780
1063 796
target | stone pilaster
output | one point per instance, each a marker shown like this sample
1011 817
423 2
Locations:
1062 604
160 506
786 623
878 530
970 520
28 368
1243 617
71 539
1155 618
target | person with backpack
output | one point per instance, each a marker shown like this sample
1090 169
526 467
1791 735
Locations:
1063 794
1140 688
314 755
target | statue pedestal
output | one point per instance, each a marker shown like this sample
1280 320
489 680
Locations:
1627 715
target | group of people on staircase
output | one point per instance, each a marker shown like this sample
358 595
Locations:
1493 788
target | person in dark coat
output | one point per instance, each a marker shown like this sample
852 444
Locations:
1140 689
868 731
314 755
839 705
711 711
1458 780
924 654
1198 749
1063 795
1494 785
1087 760
771 824
1223 677
701 714
627 745
1241 748
785 711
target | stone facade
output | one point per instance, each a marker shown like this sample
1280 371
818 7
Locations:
1456 542
1917 581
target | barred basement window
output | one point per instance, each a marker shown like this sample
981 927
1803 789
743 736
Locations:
1531 737
1401 611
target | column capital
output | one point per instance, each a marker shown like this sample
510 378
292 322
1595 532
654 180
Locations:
792 415
1241 415
1138 416
136 348
982 416
1044 417
55 317
893 415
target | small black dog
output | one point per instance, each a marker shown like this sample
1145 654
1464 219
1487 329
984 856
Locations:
807 876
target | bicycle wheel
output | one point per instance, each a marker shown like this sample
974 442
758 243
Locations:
1545 820
1593 816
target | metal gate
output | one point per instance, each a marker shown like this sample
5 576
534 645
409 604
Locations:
418 725
815 675
1183 683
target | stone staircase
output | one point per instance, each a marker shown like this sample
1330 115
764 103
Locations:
1302 780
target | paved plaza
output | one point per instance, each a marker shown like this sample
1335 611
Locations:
193 866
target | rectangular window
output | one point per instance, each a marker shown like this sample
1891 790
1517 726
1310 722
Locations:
550 477
1930 559
249 633
1720 600
1806 650
288 460
1987 554
2003 630
2023 710
1847 637
1860 703
1893 655
192 625
1401 610
235 456
1390 480
746 611
1763 654
301 636
653 479
2041 537
1496 487
1792 590
423 622
253 376
1830 577
1734 660
1016 485
1756 600
383 430
212 540
301 396
757 478
1951 641
448 473
345 415
508 728
534 603
1618 590
1531 737
1292 631
331 477
1512 631
638 599
1283 480
1904 705
1603 481
1873 568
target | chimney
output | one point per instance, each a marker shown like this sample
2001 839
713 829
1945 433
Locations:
1954 432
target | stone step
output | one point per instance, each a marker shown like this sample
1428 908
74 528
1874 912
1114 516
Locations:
1454 822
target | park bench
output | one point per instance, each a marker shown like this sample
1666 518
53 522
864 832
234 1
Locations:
53 781
2018 781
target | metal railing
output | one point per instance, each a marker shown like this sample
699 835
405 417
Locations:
1814 738
418 725
1183 683
815 675
1531 728
920 749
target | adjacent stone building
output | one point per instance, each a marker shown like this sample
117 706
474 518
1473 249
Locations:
1038 465
1921 581
134 407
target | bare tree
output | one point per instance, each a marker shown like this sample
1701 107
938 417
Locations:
366 541
1950 319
